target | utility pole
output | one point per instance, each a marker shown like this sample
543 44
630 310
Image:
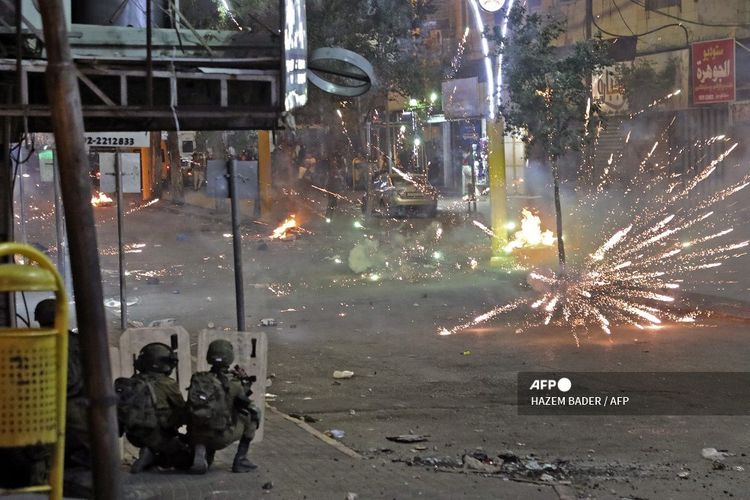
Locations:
67 123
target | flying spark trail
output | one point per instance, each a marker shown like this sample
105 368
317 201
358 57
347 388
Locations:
671 231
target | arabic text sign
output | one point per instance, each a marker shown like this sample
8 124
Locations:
713 71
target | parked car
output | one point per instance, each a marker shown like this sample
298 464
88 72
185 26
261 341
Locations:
395 195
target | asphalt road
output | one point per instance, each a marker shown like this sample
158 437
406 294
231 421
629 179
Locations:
458 390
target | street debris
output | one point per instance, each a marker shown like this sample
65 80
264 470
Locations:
408 438
304 418
343 374
135 323
335 433
479 465
351 496
267 486
268 322
546 478
271 397
115 303
157 323
714 454
466 353
683 475
152 280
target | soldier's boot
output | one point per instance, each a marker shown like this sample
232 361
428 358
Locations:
200 465
146 459
241 463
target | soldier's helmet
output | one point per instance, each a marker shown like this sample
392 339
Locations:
44 313
220 353
156 358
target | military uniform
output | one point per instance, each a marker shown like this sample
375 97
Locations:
170 413
161 405
206 439
244 417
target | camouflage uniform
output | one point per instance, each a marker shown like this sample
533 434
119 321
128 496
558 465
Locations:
244 418
159 444
244 415
170 411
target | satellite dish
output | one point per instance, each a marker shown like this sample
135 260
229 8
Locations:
340 72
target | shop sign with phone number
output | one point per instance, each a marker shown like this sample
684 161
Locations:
117 139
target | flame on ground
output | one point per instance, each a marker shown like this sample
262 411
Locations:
99 199
531 234
282 231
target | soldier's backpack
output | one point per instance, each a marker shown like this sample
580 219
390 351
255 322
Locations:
136 404
208 403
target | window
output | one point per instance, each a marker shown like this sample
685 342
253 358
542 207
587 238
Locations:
662 4
187 146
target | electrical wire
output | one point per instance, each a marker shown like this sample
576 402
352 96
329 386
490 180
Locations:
638 35
690 21
614 2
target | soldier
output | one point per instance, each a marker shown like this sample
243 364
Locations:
151 409
220 411
77 444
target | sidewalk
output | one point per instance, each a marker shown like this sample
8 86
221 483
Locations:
294 463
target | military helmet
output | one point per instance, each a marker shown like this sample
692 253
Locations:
220 352
44 313
156 358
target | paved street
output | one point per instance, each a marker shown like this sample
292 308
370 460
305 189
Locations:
459 391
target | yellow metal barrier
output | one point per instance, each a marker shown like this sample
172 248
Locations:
33 368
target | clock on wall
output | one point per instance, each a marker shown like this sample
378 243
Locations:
491 5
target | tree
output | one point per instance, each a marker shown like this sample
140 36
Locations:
547 91
642 84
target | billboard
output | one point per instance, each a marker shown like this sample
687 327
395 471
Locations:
713 71
295 55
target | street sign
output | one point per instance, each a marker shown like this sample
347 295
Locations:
713 71
217 185
130 166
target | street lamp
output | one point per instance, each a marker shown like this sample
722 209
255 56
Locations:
491 5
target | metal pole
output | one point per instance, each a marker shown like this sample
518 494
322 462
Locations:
21 194
59 221
388 145
7 303
239 288
75 184
120 254
149 56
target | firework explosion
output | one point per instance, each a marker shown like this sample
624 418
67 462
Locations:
663 229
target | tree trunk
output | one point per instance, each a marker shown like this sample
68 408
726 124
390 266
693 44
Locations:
558 216
175 171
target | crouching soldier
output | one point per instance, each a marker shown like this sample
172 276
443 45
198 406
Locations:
151 409
220 410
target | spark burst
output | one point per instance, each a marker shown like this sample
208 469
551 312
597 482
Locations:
662 230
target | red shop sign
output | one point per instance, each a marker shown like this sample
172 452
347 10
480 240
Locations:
713 71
